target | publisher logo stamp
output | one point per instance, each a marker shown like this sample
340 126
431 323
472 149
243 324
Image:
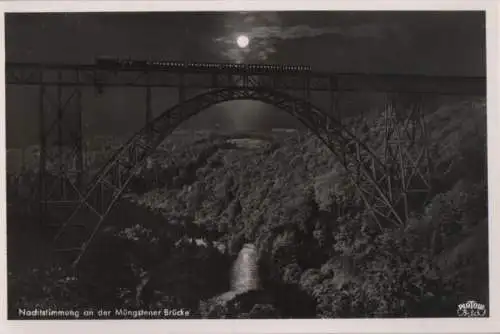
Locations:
470 309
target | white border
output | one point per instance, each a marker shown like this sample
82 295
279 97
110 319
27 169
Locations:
272 326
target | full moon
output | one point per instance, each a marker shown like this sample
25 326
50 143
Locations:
242 41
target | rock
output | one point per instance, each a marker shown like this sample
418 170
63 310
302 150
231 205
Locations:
232 304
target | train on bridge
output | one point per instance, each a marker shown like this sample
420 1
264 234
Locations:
116 63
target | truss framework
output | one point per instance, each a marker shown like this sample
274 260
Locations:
406 154
61 162
387 182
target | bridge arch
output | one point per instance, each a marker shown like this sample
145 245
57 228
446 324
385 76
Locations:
326 127
363 165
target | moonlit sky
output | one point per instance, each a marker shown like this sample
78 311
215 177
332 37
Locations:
433 43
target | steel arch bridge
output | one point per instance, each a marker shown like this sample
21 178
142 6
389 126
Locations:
385 181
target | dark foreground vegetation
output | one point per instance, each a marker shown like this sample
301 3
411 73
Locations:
188 215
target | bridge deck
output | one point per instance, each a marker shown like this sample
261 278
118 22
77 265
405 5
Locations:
203 76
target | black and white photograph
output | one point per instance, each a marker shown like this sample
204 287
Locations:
232 164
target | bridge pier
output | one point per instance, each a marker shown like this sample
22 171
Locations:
406 152
61 163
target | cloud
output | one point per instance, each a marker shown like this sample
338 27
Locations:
265 30
304 31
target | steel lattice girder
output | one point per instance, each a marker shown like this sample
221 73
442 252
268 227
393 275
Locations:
92 75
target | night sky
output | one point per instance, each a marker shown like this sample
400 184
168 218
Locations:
433 43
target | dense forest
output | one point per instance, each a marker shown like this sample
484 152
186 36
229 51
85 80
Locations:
202 196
